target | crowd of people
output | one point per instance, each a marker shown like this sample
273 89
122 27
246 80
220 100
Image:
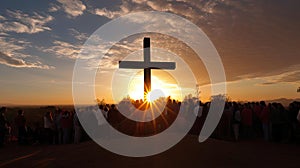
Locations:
271 122
61 126
58 127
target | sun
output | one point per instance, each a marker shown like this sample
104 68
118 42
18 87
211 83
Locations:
136 88
159 89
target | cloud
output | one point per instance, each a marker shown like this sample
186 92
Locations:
191 9
54 8
20 22
285 77
107 13
12 45
64 49
73 8
70 50
78 35
124 8
139 1
3 34
13 55
19 63
291 77
8 60
2 17
268 83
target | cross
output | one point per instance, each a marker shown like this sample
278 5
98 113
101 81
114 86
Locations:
147 65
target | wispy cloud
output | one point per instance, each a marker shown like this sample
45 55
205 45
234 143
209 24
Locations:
194 10
78 35
20 63
12 45
72 50
64 49
73 8
2 17
3 34
267 83
292 77
54 7
11 54
20 22
108 13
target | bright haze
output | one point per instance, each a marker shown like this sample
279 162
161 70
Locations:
258 42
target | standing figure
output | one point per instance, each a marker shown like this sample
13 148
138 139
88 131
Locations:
20 122
247 120
3 125
57 126
77 129
265 120
66 124
48 126
236 121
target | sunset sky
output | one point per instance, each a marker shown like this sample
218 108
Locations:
258 42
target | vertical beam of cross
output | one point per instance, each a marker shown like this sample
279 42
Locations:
147 70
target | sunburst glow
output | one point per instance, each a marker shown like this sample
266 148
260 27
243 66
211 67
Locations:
159 89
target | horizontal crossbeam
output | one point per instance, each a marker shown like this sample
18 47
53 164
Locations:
143 65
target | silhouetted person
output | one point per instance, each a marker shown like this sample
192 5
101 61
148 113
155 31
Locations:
170 113
276 121
298 117
66 125
113 116
257 125
77 129
20 122
265 120
246 118
204 115
37 133
293 113
236 119
48 127
285 130
104 111
3 125
227 117
58 133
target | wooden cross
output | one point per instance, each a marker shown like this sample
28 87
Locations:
147 65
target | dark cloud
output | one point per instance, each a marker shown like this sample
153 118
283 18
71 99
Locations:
268 83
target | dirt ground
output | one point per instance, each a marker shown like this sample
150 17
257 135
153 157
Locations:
187 153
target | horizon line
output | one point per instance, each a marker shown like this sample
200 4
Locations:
72 104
